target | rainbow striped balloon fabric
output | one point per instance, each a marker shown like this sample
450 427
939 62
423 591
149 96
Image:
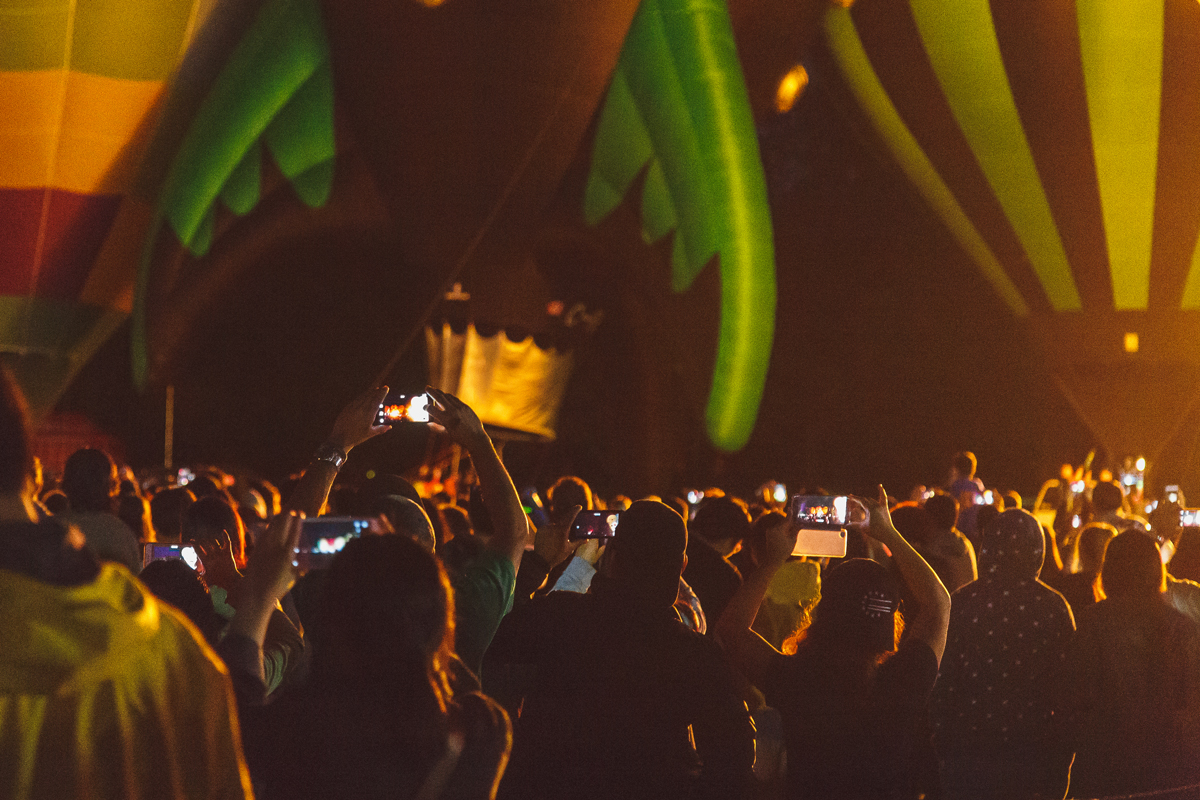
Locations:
81 84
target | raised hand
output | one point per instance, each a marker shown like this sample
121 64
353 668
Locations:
449 414
216 553
552 540
356 423
271 570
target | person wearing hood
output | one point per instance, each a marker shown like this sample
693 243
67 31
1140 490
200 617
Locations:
609 683
993 706
104 690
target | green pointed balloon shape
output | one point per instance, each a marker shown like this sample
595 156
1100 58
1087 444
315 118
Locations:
678 109
274 94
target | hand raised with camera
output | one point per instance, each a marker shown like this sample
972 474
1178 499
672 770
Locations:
552 541
216 553
271 570
880 527
356 423
448 413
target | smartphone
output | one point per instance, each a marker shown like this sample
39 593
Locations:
1189 517
819 512
161 552
1172 494
820 543
594 525
321 538
403 407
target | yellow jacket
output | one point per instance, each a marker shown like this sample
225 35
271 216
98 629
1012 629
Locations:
107 693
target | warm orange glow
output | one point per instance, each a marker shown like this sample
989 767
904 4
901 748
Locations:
791 86
1131 343
842 3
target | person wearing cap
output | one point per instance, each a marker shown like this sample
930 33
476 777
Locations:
993 707
611 682
850 699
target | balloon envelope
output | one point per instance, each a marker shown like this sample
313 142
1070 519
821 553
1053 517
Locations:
80 88
1058 142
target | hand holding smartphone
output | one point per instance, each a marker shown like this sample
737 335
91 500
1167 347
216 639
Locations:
594 525
822 521
403 408
161 552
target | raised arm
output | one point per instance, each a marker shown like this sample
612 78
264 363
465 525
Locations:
499 495
354 426
750 653
931 596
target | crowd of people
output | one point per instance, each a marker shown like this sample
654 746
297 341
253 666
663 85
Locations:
466 645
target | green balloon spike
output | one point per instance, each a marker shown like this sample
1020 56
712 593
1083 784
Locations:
275 92
678 109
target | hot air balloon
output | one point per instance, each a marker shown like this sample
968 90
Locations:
81 86
465 121
1059 142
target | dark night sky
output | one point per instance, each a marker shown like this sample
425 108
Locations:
890 351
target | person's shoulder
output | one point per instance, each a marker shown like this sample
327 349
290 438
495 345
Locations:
485 568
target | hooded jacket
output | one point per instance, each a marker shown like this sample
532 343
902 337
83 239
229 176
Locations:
106 692
1005 645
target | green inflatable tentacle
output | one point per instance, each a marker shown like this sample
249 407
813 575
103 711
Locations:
678 109
275 93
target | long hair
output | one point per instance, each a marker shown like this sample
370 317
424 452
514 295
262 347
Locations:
388 618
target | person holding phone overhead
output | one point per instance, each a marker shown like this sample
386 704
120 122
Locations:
850 698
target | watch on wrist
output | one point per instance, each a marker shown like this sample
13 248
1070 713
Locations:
334 455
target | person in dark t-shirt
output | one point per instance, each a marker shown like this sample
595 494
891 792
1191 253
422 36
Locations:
850 700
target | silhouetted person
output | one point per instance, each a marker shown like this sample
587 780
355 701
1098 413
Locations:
1133 681
1108 505
993 705
384 715
719 525
167 508
612 682
106 691
90 483
947 550
1080 588
851 701
961 480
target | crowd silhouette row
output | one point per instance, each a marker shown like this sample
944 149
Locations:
178 639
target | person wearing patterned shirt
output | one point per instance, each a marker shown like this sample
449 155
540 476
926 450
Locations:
993 706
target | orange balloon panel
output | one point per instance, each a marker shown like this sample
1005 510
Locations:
80 89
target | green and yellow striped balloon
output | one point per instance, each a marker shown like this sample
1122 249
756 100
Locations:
1059 141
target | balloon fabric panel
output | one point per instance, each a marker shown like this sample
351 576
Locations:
80 85
865 85
677 109
1122 64
1065 132
962 47
276 90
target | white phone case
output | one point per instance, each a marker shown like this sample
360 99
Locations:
820 543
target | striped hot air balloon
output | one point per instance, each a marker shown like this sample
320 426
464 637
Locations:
1059 141
81 82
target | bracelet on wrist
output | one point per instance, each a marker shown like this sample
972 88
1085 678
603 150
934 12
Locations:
332 454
